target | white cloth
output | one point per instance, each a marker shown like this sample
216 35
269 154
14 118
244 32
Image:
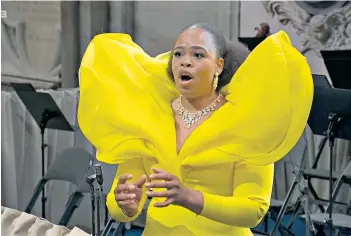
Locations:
16 223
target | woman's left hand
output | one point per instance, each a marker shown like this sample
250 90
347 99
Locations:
175 194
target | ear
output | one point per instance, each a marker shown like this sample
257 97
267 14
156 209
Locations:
219 65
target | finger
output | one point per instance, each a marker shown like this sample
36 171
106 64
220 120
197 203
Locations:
162 176
165 184
140 182
124 188
167 194
168 202
123 197
125 203
156 170
123 178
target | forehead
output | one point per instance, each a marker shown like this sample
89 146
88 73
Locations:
195 36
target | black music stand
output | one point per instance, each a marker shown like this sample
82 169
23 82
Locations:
46 114
23 87
251 42
338 66
321 81
331 116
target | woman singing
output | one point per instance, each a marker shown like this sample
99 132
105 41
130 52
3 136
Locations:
197 129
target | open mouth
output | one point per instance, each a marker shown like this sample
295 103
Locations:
185 78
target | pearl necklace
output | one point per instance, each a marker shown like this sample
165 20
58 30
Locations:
191 118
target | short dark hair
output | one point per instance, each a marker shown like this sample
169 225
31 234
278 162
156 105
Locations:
233 53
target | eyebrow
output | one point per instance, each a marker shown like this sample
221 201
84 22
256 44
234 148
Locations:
194 47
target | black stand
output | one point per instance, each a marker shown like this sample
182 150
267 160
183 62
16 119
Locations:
90 180
335 120
98 196
321 81
47 114
338 66
330 116
100 181
98 205
23 87
318 81
332 109
95 195
106 213
251 42
93 210
304 191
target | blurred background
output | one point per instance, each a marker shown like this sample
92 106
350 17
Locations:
42 43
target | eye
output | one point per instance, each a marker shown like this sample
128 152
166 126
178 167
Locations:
198 55
177 54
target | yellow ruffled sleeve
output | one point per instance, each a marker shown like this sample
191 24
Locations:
124 94
271 96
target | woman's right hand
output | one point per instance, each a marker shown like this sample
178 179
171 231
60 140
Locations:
128 196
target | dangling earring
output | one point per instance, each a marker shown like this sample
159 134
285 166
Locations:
215 81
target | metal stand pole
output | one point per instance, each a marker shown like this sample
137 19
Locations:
92 194
98 197
90 180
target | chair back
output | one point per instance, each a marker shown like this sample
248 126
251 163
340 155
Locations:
71 165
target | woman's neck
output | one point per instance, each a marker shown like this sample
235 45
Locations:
196 104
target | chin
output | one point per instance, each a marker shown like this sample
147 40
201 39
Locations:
188 93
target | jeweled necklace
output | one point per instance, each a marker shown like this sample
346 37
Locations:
191 118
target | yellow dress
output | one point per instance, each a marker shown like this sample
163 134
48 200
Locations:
125 112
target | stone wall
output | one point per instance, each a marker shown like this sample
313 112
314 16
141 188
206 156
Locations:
31 43
38 36
158 24
311 26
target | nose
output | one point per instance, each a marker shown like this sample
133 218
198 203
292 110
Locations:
186 63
